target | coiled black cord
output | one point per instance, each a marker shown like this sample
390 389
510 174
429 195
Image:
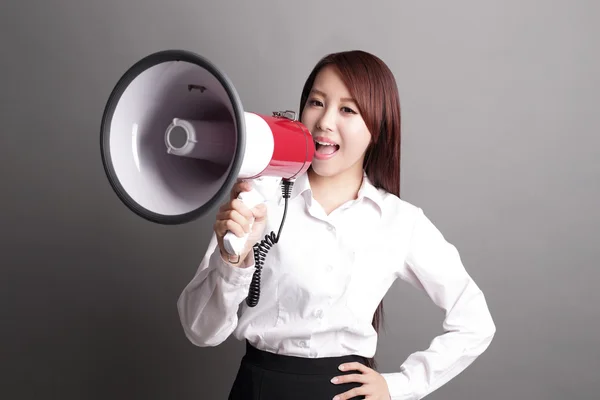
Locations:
262 248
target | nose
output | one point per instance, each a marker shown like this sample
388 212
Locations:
327 120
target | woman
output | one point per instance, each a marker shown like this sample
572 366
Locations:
347 237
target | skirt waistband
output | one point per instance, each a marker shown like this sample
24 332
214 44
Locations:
297 365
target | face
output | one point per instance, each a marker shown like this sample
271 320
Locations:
340 133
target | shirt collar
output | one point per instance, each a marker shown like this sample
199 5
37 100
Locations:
366 190
369 191
301 185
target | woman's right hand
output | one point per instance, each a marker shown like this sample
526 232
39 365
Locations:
236 217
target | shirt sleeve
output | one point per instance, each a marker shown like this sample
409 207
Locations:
209 303
434 265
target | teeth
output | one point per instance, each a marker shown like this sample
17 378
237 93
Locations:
325 144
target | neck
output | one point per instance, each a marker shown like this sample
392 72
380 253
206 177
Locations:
333 191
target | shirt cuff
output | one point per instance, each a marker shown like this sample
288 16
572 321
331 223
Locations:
399 388
239 276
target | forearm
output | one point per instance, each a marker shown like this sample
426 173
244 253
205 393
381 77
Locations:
449 354
209 303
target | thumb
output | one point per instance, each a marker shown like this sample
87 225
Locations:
259 212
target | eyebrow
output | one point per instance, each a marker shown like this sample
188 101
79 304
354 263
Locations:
320 93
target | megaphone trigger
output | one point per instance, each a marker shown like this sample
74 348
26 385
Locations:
234 245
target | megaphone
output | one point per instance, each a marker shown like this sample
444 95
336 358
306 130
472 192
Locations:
175 138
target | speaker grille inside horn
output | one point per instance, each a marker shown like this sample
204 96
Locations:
160 186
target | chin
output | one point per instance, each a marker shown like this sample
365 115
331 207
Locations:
322 169
329 168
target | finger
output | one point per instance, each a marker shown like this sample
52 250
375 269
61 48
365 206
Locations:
240 186
352 393
236 217
238 208
237 205
355 366
231 226
259 212
360 378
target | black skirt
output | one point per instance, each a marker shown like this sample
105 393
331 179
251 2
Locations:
267 376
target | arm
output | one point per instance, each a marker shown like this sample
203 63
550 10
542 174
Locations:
209 303
434 265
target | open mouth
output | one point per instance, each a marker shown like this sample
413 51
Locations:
324 148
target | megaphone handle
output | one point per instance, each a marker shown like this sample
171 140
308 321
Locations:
234 245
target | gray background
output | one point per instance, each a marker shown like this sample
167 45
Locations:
500 148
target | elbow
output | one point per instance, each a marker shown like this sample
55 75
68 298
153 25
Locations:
202 340
204 336
484 326
491 331
189 323
200 330
487 336
480 327
486 331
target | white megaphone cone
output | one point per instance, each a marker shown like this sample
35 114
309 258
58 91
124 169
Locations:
204 140
175 139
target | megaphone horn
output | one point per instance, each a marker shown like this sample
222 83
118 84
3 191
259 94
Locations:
175 138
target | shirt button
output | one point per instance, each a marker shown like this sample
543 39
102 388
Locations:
329 268
302 343
330 228
319 313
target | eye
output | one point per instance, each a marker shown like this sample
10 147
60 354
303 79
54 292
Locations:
315 103
348 110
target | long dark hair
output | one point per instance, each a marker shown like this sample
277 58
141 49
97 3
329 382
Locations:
372 84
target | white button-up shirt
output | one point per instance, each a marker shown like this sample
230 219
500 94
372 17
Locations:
324 279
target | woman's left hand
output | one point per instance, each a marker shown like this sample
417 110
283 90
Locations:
374 386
